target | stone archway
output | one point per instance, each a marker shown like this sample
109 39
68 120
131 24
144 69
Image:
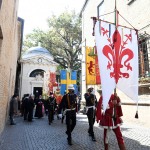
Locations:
37 85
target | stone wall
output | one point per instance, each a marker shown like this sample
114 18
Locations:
8 55
136 13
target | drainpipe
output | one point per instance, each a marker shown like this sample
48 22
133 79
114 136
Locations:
20 93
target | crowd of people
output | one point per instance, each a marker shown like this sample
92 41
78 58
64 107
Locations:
110 119
31 106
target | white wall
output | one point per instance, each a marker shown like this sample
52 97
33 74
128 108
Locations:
136 13
28 83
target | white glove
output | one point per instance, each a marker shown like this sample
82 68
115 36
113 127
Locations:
60 115
93 92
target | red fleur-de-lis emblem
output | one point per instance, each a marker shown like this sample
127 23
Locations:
115 52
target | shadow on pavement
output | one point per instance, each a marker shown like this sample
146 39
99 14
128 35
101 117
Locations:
39 135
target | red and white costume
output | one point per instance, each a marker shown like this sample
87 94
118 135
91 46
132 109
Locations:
110 119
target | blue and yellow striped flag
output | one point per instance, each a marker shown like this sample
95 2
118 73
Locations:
66 79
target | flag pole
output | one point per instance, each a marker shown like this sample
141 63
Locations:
116 16
116 26
137 103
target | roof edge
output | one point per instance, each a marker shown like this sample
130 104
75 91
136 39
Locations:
38 55
85 3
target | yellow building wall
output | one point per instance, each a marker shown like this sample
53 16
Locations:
9 51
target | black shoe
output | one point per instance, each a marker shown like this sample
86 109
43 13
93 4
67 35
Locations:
30 120
49 123
93 139
69 141
66 132
12 124
89 133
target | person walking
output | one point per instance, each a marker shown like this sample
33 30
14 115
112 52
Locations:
51 103
13 108
25 106
91 103
30 108
111 119
69 103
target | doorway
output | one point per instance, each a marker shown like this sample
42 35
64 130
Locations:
37 91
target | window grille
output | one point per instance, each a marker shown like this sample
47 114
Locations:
144 55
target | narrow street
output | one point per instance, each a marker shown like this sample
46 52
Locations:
38 135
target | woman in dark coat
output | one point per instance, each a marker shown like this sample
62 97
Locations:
30 108
39 107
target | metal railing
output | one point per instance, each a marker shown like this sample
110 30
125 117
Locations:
144 55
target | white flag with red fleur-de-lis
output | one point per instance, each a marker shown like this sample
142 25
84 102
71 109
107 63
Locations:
117 51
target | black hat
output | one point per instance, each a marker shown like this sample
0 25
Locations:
51 93
15 95
90 89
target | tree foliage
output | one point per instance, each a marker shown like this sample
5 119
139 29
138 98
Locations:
62 39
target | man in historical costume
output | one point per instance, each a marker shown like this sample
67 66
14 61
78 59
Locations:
91 103
13 108
110 119
69 103
51 104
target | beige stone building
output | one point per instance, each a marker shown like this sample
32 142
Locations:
132 13
10 41
36 62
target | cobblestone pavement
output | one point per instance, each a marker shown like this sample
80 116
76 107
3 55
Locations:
143 113
38 135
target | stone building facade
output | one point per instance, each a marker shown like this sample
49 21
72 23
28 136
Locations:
136 12
9 54
36 62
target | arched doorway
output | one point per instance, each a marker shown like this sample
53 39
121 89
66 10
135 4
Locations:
37 84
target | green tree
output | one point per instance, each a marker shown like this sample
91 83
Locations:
33 39
63 39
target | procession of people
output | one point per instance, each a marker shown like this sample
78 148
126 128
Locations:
110 119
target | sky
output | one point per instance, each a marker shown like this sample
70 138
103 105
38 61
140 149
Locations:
36 12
